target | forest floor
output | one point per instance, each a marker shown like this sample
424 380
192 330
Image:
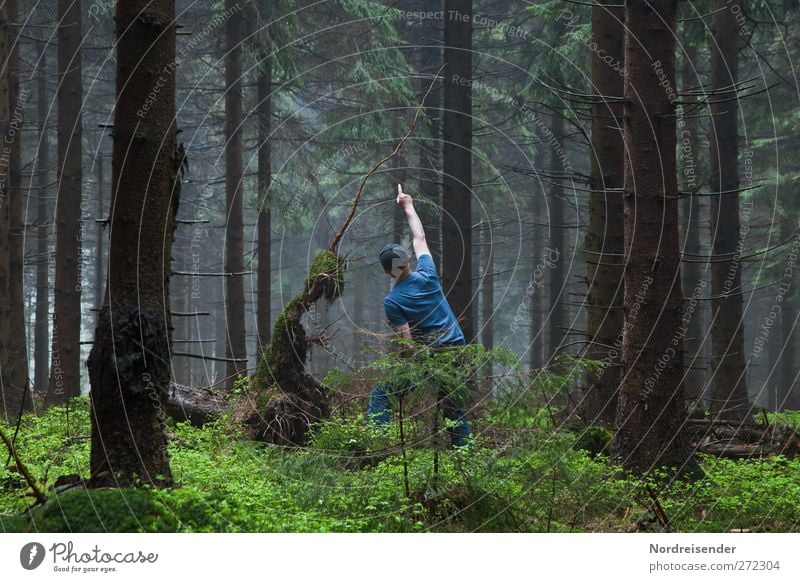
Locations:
520 476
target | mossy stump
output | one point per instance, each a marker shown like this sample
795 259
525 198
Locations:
284 401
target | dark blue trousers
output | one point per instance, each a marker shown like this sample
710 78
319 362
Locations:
379 412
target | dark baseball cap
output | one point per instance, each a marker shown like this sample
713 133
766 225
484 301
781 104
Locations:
391 253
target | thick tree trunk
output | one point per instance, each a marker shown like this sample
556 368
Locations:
457 164
651 408
41 338
264 112
197 405
729 388
693 218
234 225
65 376
424 38
559 295
9 398
605 238
18 375
129 363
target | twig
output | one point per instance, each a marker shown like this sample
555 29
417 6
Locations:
338 236
210 358
552 498
19 417
40 497
403 447
658 510
196 274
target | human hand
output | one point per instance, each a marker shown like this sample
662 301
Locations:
403 200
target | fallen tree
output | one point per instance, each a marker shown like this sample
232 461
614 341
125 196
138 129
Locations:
197 405
735 439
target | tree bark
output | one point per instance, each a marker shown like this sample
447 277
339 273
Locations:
487 288
18 346
129 363
43 216
605 237
425 40
789 393
694 214
537 303
99 271
234 175
729 388
264 113
9 398
457 163
65 376
651 408
558 291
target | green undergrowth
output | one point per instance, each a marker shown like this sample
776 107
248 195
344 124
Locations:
520 475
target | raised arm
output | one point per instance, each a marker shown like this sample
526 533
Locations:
405 202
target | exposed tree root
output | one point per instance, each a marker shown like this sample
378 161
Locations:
284 400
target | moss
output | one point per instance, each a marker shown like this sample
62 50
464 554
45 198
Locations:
102 510
329 268
284 397
596 440
13 524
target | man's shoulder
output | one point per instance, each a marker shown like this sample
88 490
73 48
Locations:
425 266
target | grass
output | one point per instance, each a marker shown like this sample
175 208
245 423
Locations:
350 479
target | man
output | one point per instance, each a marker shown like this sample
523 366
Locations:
417 309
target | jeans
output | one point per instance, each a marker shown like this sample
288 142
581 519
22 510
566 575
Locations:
379 412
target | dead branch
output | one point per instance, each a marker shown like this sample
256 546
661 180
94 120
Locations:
338 236
37 493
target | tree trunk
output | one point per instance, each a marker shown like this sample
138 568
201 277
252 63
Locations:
9 397
536 282
357 318
234 224
221 337
789 393
18 375
425 39
694 210
559 295
605 238
487 292
99 271
651 406
729 389
129 362
43 216
264 113
65 375
181 365
457 163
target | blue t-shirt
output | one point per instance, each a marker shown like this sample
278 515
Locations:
419 301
